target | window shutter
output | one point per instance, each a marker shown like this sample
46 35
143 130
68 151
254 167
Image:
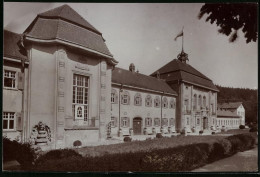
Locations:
128 122
19 124
121 121
20 81
151 121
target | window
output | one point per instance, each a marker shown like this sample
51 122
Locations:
125 97
165 102
8 120
80 97
164 122
9 79
188 121
186 104
200 101
148 101
172 122
204 101
138 100
172 104
125 122
113 121
114 97
198 121
195 102
157 102
156 122
148 122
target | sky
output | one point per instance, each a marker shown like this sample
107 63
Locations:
143 34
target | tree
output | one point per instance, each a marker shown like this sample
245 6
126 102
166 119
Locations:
231 17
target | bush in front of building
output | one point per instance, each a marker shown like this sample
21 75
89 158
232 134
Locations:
241 127
127 139
253 129
159 135
170 159
21 152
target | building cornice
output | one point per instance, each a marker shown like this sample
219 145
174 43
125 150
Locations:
143 89
15 60
199 85
72 44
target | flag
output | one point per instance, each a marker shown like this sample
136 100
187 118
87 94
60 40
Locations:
179 35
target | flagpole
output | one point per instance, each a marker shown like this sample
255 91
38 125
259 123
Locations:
182 38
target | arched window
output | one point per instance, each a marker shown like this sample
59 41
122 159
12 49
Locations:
204 101
200 102
148 101
114 97
164 122
157 102
148 122
165 102
125 98
195 102
138 99
172 104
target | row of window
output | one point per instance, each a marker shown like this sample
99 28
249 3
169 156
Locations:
199 105
149 122
125 99
228 122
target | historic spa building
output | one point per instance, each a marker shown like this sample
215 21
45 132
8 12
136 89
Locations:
60 85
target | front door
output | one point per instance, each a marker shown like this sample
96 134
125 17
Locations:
205 123
137 126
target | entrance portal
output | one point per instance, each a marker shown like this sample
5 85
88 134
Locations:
137 126
205 123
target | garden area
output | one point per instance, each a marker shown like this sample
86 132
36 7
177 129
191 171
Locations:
162 154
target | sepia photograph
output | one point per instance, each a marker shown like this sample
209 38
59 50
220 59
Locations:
130 87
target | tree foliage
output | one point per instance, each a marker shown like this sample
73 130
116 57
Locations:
231 17
248 97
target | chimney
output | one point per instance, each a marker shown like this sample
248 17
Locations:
132 67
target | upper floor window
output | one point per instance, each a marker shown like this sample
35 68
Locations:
125 97
148 101
204 101
138 99
165 102
114 97
8 120
148 122
172 104
156 122
157 102
9 79
200 101
195 102
80 97
186 104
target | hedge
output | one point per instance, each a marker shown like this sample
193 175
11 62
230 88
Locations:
172 159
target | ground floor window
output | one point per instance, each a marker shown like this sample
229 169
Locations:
156 122
113 121
125 122
148 122
172 122
198 121
8 120
164 122
188 121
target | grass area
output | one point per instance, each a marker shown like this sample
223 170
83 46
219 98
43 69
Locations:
235 131
147 145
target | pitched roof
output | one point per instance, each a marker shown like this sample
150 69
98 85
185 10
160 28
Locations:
65 24
11 48
231 105
229 114
67 13
125 77
176 70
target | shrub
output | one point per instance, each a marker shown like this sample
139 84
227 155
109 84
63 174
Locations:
127 139
241 127
57 155
77 143
253 129
213 133
159 135
201 132
22 152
